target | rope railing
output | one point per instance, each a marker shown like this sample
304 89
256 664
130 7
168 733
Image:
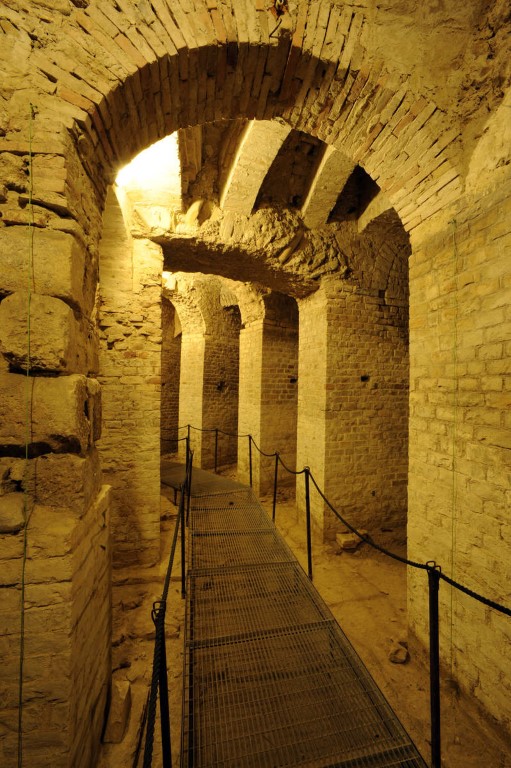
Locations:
159 679
434 571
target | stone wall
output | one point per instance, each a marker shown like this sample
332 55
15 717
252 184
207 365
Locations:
54 512
460 438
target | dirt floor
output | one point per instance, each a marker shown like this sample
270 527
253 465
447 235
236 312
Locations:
366 592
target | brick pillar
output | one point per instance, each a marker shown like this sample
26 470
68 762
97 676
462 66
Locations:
170 372
208 397
352 412
130 367
191 392
268 392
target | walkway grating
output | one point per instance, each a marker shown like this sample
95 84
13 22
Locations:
272 680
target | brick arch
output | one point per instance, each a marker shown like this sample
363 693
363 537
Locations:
125 80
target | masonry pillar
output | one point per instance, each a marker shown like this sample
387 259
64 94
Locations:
54 511
170 374
268 390
191 391
208 391
130 365
352 407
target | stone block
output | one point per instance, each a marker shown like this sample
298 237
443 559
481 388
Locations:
119 712
58 266
398 653
51 532
94 408
11 474
350 541
12 512
67 480
58 422
56 343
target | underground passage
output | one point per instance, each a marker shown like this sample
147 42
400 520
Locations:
255 251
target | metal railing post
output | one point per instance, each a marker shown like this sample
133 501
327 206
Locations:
308 521
189 487
183 533
275 480
164 699
216 449
434 664
250 458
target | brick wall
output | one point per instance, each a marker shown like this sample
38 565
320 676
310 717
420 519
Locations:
354 377
460 438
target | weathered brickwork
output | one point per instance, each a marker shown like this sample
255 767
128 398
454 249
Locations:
209 372
353 412
170 374
130 364
268 388
460 438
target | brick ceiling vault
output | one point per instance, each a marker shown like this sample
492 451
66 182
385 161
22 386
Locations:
124 80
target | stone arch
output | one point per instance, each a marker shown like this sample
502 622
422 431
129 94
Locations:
132 80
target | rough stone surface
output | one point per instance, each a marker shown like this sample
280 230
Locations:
349 542
119 711
47 337
55 261
12 513
59 421
398 653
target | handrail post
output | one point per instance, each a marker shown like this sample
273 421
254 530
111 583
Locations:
183 533
250 458
308 521
216 449
164 698
434 663
189 487
275 480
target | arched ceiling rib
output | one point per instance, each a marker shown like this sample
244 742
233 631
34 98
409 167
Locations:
257 151
333 172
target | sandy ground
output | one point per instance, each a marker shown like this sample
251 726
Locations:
366 592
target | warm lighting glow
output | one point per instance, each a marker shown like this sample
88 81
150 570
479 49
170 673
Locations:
155 168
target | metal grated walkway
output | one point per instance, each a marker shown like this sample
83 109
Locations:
270 678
